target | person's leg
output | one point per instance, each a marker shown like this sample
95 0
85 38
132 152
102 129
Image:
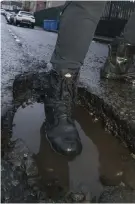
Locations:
78 23
77 27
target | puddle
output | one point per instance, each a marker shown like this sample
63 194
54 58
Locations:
103 161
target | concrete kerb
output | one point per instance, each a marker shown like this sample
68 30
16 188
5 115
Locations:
15 37
119 127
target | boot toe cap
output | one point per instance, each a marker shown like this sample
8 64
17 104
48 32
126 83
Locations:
67 146
65 139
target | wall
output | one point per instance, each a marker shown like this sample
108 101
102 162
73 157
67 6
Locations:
7 7
40 5
11 5
50 4
37 6
26 5
33 5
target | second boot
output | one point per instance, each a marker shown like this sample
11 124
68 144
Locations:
119 63
60 100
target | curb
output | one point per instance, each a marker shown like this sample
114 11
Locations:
103 39
117 126
15 37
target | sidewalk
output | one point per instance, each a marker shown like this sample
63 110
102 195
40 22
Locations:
103 39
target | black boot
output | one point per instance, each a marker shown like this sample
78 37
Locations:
59 103
119 63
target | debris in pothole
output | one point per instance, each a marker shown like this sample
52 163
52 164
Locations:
17 167
76 197
117 195
14 186
122 184
133 155
119 173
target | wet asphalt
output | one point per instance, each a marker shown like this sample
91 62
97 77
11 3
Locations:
34 49
30 49
25 49
31 53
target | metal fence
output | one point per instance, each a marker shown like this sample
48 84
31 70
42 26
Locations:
118 9
112 22
114 18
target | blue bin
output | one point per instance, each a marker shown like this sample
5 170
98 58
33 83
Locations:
50 25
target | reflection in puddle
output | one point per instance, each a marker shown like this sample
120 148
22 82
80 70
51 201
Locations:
102 156
28 122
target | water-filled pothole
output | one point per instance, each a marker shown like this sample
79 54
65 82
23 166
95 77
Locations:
103 161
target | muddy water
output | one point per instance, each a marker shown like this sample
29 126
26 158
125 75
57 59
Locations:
103 161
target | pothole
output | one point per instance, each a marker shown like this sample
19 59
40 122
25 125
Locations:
104 161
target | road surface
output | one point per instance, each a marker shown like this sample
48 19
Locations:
25 49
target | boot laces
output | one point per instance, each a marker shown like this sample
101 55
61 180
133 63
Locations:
63 107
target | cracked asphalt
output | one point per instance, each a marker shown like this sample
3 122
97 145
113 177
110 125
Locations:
33 51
